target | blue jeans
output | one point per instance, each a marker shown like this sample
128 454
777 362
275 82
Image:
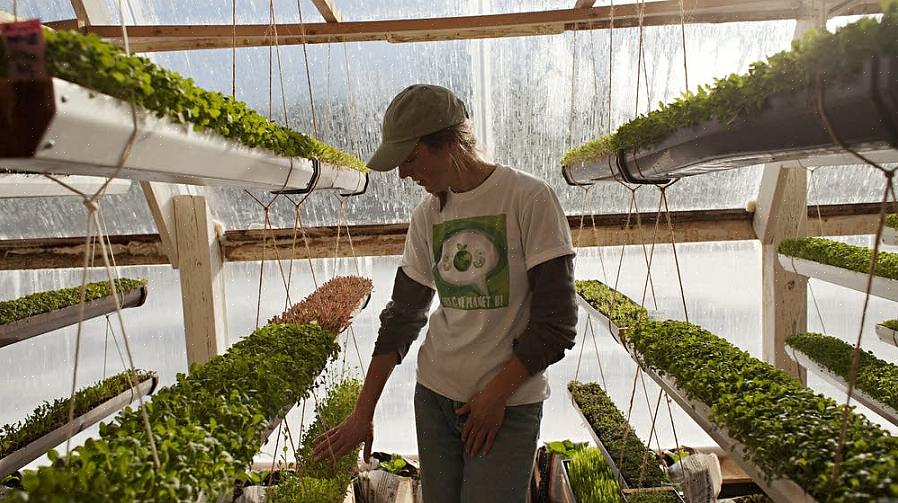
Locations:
449 475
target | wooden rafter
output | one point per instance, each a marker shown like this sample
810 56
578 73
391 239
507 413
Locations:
328 11
89 12
854 7
584 4
187 37
381 240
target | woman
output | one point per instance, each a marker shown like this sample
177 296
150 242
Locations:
495 244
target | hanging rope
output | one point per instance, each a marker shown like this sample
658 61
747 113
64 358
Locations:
234 49
639 54
811 174
90 202
855 357
683 33
673 245
305 55
889 189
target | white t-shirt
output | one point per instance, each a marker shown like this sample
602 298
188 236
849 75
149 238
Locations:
475 253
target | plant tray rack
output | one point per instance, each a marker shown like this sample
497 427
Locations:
839 382
69 129
39 447
862 108
26 328
882 287
602 319
887 335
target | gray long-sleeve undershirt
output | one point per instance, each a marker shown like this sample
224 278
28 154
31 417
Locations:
551 330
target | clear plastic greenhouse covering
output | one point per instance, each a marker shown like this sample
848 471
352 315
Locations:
531 98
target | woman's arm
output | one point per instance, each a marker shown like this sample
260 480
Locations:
401 321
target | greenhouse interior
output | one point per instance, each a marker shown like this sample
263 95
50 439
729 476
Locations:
195 265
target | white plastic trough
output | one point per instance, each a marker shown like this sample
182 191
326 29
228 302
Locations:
604 169
602 319
89 131
40 446
883 410
889 235
18 185
887 335
882 287
781 490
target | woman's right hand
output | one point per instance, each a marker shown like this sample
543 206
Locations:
339 441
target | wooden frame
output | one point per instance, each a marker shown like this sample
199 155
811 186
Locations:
581 17
32 326
381 240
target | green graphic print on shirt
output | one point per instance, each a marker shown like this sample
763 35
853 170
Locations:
470 258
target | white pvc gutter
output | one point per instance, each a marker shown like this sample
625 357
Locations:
89 131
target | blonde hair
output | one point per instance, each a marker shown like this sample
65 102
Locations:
461 134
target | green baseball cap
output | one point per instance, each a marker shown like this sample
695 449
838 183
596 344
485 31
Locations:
419 110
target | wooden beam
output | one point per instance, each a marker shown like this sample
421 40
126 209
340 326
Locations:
187 37
64 24
90 12
61 253
381 240
584 4
160 197
202 280
854 8
328 11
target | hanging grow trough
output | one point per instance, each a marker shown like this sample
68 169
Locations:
861 107
887 335
780 490
39 447
18 185
65 128
839 382
32 326
885 288
617 333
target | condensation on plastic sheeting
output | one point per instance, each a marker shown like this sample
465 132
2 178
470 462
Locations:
519 91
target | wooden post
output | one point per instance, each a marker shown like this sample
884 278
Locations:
202 280
782 213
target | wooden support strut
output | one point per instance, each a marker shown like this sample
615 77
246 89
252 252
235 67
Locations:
381 240
202 280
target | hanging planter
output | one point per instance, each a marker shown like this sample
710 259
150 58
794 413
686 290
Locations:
890 230
44 312
47 427
624 452
80 121
311 481
841 264
888 332
333 305
758 409
766 115
611 308
876 383
223 406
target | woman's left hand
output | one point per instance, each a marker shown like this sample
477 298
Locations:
485 411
